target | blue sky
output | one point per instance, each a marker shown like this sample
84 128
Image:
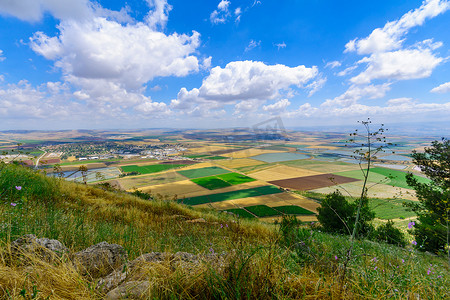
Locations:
79 64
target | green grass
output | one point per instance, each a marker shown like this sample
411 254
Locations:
262 211
211 183
293 210
386 176
387 209
203 172
150 168
258 191
241 213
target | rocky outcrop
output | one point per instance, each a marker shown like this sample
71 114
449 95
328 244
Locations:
117 278
134 270
45 248
100 259
130 290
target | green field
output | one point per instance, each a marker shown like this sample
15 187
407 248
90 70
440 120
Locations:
387 209
211 182
221 181
385 176
262 211
235 178
203 172
149 169
293 210
241 213
258 191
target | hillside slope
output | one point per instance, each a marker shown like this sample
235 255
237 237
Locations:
257 260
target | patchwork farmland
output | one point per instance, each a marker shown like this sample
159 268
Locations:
262 181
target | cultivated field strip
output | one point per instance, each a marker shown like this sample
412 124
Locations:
312 182
280 172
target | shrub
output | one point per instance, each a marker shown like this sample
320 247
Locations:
337 215
389 234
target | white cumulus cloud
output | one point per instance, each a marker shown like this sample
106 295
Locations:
391 36
400 65
33 10
443 88
131 54
244 80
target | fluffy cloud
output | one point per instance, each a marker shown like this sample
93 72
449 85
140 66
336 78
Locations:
221 14
160 15
277 107
400 65
443 88
245 80
2 58
22 101
390 37
355 93
33 10
127 54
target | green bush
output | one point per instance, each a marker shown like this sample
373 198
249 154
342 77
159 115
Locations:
337 215
389 234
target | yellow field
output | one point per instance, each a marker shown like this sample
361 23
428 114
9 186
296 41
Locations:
71 158
238 163
377 191
207 149
248 153
146 180
179 188
323 147
282 172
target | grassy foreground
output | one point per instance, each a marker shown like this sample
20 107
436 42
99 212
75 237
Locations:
261 262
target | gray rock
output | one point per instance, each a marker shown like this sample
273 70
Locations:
100 259
45 248
133 269
130 290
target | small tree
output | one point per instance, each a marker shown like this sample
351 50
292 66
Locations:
432 231
389 234
337 215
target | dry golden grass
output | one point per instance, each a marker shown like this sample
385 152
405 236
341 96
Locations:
248 153
238 163
56 280
280 172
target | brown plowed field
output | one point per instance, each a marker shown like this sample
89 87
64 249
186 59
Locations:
312 182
